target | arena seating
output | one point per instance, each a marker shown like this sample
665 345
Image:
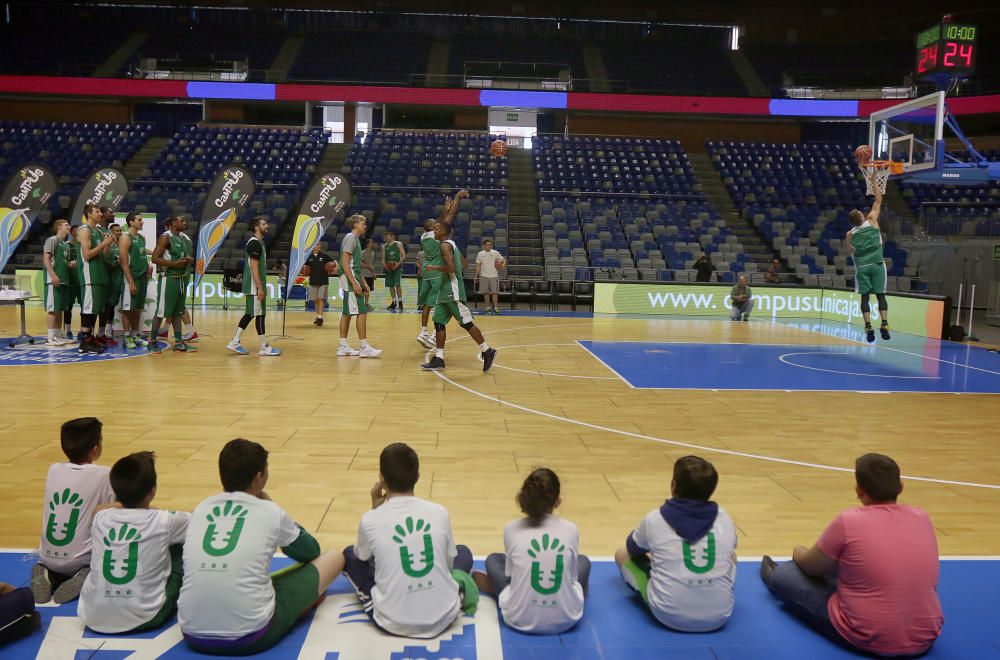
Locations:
956 210
346 56
799 196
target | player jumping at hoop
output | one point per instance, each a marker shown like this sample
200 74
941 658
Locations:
864 241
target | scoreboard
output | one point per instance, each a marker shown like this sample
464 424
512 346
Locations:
947 48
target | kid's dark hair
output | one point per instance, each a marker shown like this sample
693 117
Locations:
78 437
695 478
133 478
239 462
400 467
539 494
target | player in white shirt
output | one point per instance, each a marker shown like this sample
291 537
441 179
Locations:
230 603
682 557
541 578
488 263
135 574
74 492
401 565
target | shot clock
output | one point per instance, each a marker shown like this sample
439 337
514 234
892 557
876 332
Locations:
948 48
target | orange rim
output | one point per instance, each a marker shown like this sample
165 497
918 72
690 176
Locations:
891 165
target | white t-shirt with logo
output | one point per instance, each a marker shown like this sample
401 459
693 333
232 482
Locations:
72 492
230 541
487 260
411 541
129 567
544 595
690 585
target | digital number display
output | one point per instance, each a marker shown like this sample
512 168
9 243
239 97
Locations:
946 48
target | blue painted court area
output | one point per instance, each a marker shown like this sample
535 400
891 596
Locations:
930 366
615 625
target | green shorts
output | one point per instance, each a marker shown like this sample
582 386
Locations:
172 589
427 291
138 301
636 572
354 304
294 593
75 295
56 298
445 311
93 298
393 277
254 305
170 297
115 292
870 279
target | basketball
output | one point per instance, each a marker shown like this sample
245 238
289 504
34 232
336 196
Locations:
498 148
306 271
864 153
330 267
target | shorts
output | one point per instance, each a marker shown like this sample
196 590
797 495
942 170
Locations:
354 304
169 297
317 292
74 295
93 298
489 285
294 593
638 570
56 298
427 291
445 311
114 293
870 279
138 301
370 281
254 306
393 277
172 590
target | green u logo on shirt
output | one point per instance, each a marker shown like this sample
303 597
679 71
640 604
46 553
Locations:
549 548
708 554
130 564
57 508
232 513
427 554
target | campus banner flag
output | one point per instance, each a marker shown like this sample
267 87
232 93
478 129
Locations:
105 186
24 196
328 198
229 195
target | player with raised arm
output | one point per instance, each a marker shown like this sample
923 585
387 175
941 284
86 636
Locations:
864 242
427 293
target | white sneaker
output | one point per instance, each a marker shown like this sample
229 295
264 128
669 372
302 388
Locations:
426 341
53 342
369 352
268 350
236 347
347 351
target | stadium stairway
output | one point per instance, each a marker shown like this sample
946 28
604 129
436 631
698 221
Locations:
597 73
122 55
524 246
138 166
282 64
901 213
716 194
333 158
437 60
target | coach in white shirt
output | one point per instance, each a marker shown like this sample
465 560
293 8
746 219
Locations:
488 262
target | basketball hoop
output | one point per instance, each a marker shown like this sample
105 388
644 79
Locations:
877 173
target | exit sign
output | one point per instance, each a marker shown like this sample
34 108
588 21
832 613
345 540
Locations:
511 116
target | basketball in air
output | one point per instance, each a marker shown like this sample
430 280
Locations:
306 271
330 267
864 154
498 148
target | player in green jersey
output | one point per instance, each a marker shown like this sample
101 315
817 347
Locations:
93 277
106 317
353 289
864 242
174 256
451 302
427 293
393 256
73 295
254 289
135 271
56 257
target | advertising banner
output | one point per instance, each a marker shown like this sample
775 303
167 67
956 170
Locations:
230 193
24 196
105 186
328 199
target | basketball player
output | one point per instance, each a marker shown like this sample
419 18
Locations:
73 295
254 289
135 271
354 290
106 316
93 277
864 241
56 257
427 294
116 279
451 301
393 255
173 255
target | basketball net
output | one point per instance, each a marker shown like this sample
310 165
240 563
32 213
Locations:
877 174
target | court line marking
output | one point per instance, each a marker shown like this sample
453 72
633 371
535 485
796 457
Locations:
781 358
606 365
544 373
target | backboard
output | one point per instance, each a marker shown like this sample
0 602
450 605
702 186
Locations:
910 133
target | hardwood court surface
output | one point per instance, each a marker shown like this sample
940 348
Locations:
325 419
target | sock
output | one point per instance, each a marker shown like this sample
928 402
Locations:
425 333
439 352
52 334
188 328
343 342
107 330
484 347
178 337
264 345
239 333
364 343
885 322
319 316
65 327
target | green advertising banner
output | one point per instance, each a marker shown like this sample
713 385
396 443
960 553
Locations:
912 315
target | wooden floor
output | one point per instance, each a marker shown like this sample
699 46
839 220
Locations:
325 419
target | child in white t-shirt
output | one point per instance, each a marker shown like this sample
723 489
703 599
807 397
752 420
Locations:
682 557
541 579
401 565
74 492
135 573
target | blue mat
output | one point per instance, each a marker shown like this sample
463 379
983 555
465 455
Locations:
615 625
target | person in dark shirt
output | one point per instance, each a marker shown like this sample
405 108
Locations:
319 279
705 269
